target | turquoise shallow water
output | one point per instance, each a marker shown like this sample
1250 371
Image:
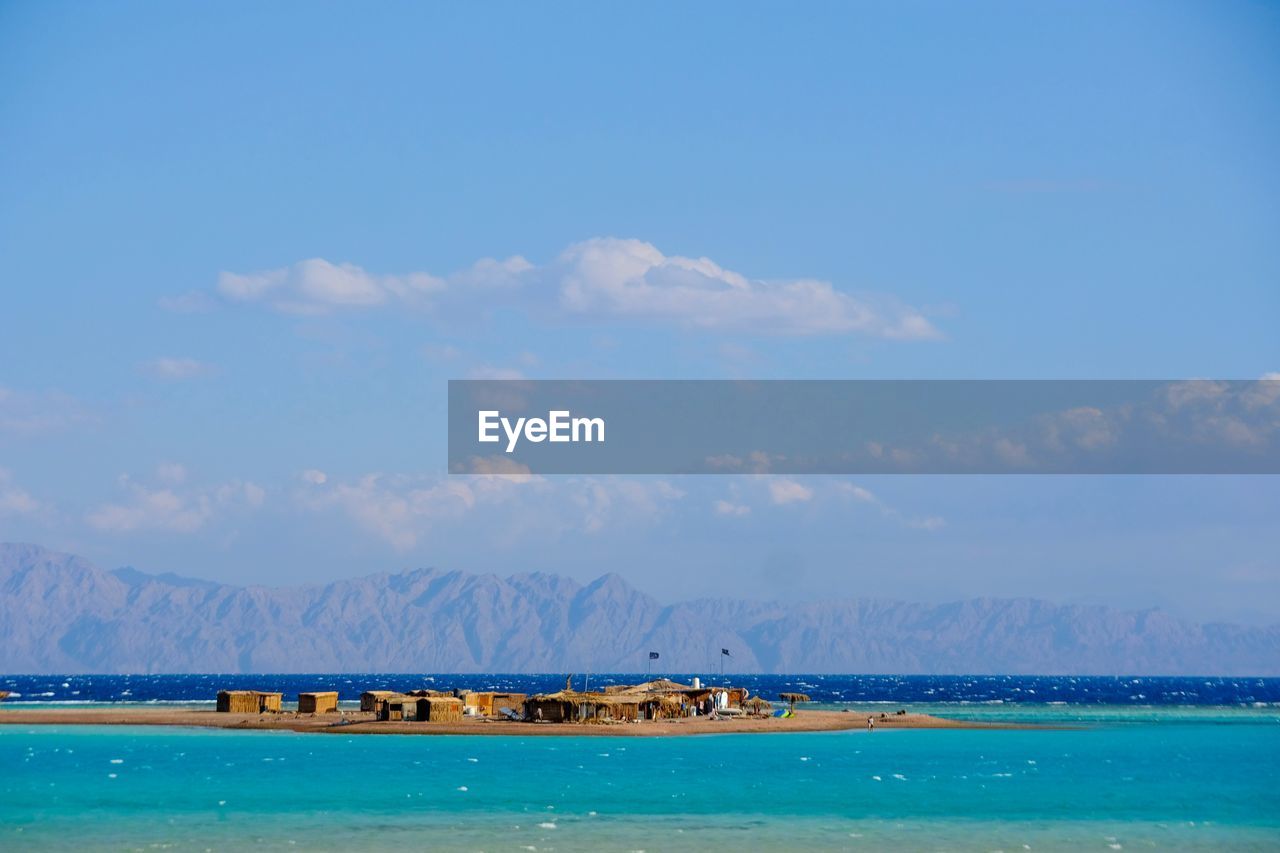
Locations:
1206 781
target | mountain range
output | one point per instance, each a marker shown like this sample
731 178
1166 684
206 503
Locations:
61 614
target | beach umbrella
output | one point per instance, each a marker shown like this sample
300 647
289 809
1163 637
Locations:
793 698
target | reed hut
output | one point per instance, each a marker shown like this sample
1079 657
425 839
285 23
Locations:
569 706
487 703
398 707
756 706
370 700
439 709
662 706
318 703
248 702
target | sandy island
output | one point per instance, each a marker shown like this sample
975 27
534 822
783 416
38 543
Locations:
356 722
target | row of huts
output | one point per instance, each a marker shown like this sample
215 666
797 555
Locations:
650 700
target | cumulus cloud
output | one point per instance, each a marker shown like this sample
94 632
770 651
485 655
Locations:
863 495
15 500
601 501
176 369
316 286
729 508
783 491
632 279
169 508
402 509
600 279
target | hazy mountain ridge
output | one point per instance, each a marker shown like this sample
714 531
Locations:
59 613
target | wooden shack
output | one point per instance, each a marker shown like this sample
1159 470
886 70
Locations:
325 702
439 709
398 707
371 700
487 703
248 701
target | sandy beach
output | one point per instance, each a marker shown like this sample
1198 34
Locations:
356 722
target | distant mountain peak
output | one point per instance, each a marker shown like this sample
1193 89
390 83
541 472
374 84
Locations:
59 613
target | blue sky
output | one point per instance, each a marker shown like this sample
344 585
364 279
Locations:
925 190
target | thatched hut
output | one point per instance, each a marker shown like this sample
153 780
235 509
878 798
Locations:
661 706
568 706
371 700
248 701
488 703
756 705
439 709
398 707
325 702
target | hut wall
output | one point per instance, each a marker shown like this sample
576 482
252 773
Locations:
439 709
550 710
398 708
490 704
508 702
370 699
237 702
247 701
317 703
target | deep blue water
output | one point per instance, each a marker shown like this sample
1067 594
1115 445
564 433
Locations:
904 689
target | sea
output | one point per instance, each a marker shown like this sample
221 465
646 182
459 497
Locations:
1131 763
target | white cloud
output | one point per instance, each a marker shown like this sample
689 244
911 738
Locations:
15 500
191 302
38 413
316 286
173 368
863 495
728 508
603 501
169 508
783 491
394 508
856 492
402 509
314 477
632 279
171 472
600 279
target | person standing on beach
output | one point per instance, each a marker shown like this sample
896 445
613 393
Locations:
871 723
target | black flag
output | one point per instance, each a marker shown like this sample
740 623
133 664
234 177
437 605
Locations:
725 652
653 655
